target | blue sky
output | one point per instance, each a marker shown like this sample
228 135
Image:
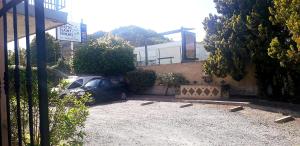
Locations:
158 15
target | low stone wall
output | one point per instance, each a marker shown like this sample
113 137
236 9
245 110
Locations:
200 92
193 71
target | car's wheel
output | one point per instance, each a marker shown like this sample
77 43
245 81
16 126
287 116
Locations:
123 96
92 102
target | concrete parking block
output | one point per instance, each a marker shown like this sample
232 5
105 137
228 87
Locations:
186 105
235 109
147 103
284 119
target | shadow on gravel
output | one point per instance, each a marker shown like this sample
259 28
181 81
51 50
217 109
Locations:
107 103
271 106
253 102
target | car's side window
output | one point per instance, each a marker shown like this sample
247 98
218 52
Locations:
92 83
105 83
76 84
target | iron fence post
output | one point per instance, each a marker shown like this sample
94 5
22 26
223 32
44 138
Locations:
42 74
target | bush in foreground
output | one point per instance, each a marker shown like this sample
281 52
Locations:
66 115
172 80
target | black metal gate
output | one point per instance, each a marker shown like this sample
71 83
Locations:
10 7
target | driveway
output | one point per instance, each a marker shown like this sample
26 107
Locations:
164 123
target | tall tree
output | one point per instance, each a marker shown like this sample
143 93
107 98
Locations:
53 50
22 57
287 14
242 35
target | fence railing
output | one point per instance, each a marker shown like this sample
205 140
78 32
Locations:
52 4
13 97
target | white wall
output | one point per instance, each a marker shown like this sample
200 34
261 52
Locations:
171 49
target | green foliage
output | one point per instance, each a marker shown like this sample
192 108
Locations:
216 64
53 50
242 34
22 57
62 66
286 14
140 80
225 40
172 80
109 55
66 116
67 119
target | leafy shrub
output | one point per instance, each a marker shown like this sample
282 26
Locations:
62 67
139 80
105 56
172 80
53 50
65 122
53 76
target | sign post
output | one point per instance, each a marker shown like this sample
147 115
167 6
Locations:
188 45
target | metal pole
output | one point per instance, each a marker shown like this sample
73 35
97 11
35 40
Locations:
17 75
4 120
5 103
57 4
158 56
42 74
28 74
146 53
183 43
72 50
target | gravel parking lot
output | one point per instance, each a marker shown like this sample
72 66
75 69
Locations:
164 123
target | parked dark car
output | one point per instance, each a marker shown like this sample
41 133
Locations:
101 88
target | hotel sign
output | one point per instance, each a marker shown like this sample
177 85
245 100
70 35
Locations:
188 45
74 32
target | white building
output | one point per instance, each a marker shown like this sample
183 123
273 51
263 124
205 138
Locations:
167 53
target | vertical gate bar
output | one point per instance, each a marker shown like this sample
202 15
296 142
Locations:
146 52
17 74
42 74
6 75
28 74
0 102
0 117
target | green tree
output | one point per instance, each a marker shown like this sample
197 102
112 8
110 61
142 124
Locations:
53 50
287 14
22 57
241 35
109 55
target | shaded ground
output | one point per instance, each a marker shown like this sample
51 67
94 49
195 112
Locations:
164 123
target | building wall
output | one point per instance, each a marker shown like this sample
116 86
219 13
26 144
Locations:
193 71
170 49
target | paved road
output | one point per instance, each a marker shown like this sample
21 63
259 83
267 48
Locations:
164 123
